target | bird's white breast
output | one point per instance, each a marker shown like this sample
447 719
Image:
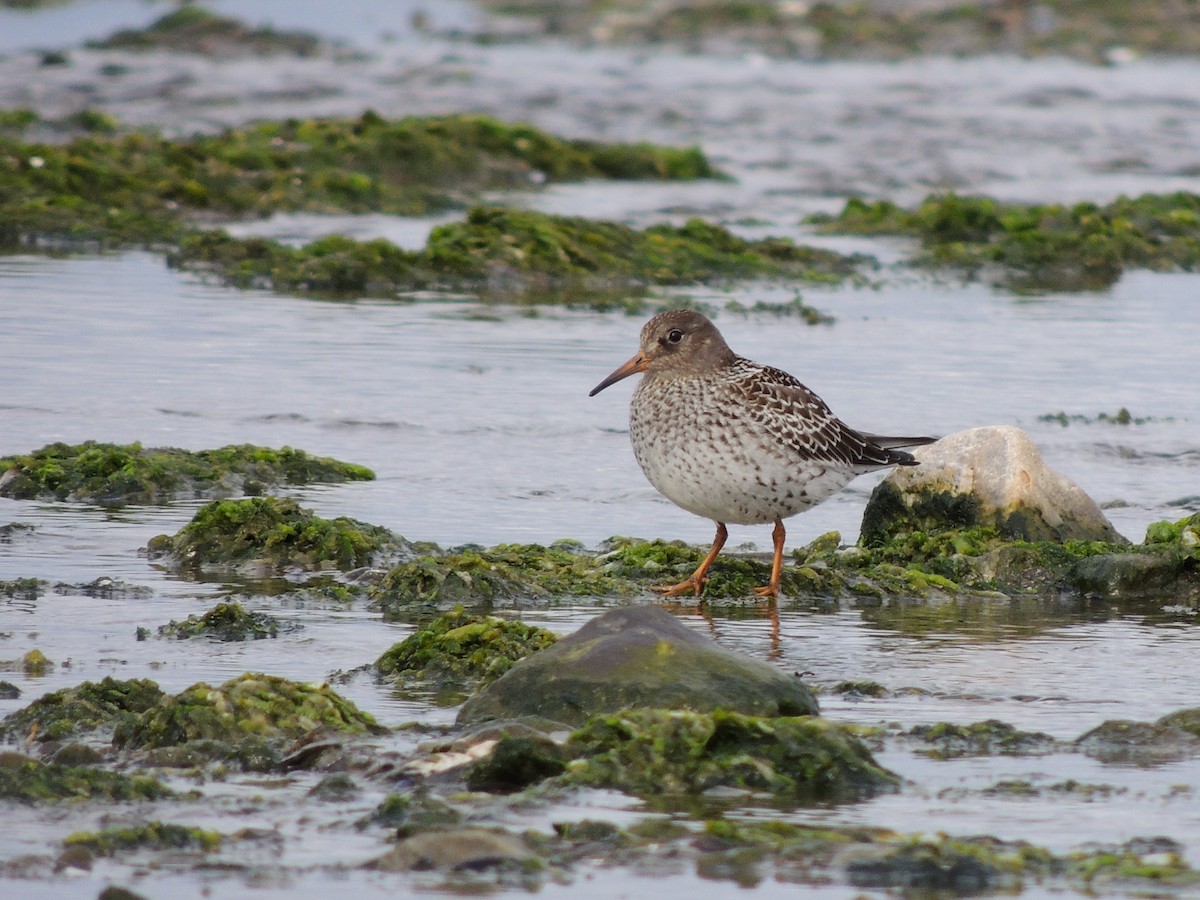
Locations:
699 448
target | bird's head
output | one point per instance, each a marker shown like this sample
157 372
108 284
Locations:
678 342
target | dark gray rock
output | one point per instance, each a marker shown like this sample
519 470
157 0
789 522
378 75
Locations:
637 656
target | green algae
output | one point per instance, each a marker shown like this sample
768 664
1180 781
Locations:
992 737
146 836
474 577
460 649
27 780
410 814
224 622
193 29
1080 28
673 752
272 532
1121 417
141 189
119 474
513 253
1039 248
88 707
251 706
517 761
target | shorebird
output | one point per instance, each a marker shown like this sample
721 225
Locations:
736 441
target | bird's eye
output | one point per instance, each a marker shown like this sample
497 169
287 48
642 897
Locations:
675 336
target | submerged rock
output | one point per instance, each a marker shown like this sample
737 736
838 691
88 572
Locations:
1174 736
458 848
949 741
224 622
27 780
250 708
637 656
273 534
88 707
462 649
649 752
119 474
991 477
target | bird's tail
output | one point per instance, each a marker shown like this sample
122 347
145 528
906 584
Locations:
896 456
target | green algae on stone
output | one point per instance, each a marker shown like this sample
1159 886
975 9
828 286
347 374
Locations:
1082 29
138 188
1172 737
652 752
411 814
460 648
274 533
87 707
517 760
118 474
993 737
146 836
23 589
27 780
193 29
252 706
481 577
637 656
1040 248
224 622
517 254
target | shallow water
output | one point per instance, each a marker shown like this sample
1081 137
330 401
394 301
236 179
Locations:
477 421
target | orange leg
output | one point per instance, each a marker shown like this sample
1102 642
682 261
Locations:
771 589
695 583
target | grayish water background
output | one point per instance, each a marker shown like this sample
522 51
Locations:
480 429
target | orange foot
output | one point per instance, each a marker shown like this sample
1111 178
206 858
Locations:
770 591
693 584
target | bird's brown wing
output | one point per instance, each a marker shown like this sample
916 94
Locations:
783 408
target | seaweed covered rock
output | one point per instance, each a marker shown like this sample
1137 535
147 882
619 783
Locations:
144 836
88 707
637 656
273 534
984 477
224 622
119 474
28 780
193 29
1172 737
949 741
462 649
255 708
471 576
649 752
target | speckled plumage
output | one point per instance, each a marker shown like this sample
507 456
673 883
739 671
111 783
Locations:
735 441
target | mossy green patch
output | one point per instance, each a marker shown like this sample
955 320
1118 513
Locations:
194 29
1080 28
460 648
87 707
146 836
24 589
412 814
137 188
656 752
473 576
950 741
224 622
273 532
249 706
1042 247
28 780
118 474
515 254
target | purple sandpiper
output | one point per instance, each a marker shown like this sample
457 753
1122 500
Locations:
736 441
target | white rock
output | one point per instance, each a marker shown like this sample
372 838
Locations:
1001 469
